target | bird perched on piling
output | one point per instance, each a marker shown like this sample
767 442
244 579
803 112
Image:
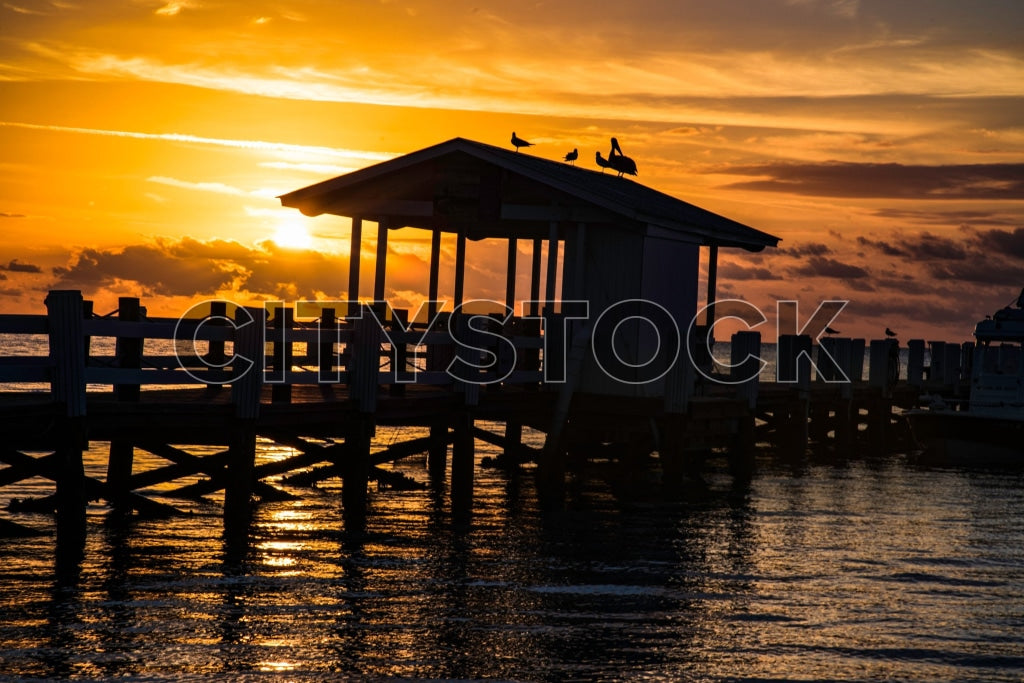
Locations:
620 162
889 333
518 142
572 156
602 162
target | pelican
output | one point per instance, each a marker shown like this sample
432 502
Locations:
602 162
572 156
620 162
519 142
889 333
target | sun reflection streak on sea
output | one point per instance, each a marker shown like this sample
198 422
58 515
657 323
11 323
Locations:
871 568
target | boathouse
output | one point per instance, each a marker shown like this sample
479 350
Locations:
616 243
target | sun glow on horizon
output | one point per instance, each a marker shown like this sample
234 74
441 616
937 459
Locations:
293 233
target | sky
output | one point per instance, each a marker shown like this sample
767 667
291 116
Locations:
143 143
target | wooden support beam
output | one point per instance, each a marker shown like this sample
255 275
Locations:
437 453
381 265
535 277
712 287
552 272
510 275
460 269
463 464
239 484
354 249
435 270
356 472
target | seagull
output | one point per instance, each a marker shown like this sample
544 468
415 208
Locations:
519 142
889 333
602 162
829 330
572 156
619 162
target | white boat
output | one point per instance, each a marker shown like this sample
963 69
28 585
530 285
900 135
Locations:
991 428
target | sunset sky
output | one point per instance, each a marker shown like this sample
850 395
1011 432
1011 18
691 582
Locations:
143 142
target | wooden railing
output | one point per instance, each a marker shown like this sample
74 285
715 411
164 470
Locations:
245 350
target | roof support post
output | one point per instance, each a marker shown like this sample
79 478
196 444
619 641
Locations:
435 266
549 283
579 247
353 259
712 286
510 275
535 278
380 271
460 268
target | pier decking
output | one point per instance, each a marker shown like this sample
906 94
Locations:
322 386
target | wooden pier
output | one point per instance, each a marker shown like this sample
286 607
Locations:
321 383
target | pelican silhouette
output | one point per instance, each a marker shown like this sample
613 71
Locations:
602 162
572 156
619 161
519 142
889 333
829 330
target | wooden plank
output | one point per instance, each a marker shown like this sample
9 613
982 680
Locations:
23 324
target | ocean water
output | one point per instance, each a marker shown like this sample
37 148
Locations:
872 568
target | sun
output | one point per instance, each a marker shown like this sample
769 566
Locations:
292 233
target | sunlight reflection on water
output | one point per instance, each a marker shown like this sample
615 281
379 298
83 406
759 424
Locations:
867 569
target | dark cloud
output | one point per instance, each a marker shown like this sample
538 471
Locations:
887 248
154 266
736 271
950 218
821 266
16 267
1002 242
809 249
845 179
4 214
190 267
979 246
981 271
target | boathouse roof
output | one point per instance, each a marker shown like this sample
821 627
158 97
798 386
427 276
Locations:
488 191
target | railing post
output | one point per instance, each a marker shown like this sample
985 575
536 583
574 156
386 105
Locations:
128 349
216 356
326 354
794 368
399 352
284 321
65 312
915 362
245 395
129 356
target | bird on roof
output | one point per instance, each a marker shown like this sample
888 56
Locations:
620 162
602 162
572 156
519 142
889 333
829 330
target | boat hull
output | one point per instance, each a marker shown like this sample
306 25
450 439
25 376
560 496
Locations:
968 438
